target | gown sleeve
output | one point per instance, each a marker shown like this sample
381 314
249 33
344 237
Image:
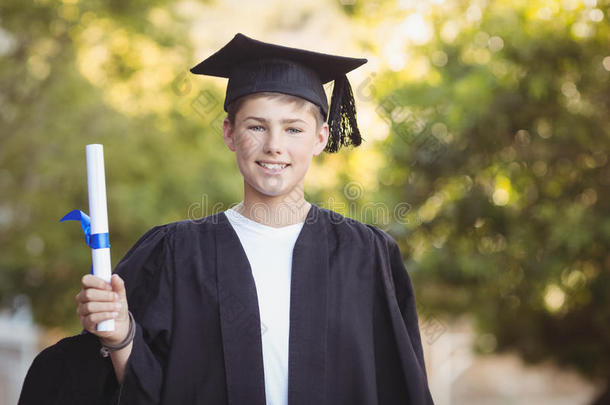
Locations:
147 270
403 316
406 299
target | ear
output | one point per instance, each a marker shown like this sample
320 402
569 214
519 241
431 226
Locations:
228 134
321 139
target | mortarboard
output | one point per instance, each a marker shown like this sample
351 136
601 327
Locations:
254 66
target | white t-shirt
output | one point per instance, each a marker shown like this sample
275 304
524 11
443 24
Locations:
269 251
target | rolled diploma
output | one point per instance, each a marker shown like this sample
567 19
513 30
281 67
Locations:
96 181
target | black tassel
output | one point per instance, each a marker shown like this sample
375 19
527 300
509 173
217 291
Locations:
343 127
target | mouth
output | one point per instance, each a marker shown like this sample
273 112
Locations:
272 168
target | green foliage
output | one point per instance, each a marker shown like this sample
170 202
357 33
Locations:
501 148
74 74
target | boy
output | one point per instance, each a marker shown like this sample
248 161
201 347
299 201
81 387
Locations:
275 301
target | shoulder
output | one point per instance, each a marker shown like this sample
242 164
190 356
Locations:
158 244
206 223
345 227
173 232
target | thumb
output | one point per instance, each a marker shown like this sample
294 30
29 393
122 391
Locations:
118 286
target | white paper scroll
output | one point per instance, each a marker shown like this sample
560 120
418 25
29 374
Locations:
98 212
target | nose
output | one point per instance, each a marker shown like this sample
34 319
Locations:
273 142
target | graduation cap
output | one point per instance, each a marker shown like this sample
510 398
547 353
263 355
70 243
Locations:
253 66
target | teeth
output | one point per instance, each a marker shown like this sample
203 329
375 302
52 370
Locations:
274 166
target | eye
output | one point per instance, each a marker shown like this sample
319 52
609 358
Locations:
296 130
254 127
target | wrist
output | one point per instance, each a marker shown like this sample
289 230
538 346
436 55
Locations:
108 347
117 337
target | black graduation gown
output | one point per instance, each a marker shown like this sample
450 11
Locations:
353 336
70 372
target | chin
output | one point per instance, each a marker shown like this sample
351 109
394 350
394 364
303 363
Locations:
269 192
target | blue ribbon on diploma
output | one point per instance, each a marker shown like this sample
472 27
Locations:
94 241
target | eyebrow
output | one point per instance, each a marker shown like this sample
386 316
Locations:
284 121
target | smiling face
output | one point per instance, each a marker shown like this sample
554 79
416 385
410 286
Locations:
274 142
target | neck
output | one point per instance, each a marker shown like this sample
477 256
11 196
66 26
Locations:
275 211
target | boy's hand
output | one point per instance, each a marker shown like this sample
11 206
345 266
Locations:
98 301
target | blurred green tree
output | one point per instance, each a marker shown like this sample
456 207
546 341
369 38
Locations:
499 142
74 73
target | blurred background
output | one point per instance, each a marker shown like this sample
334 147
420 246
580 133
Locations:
486 156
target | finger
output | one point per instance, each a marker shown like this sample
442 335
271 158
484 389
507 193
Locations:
93 294
97 306
93 319
91 281
91 326
88 325
104 334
